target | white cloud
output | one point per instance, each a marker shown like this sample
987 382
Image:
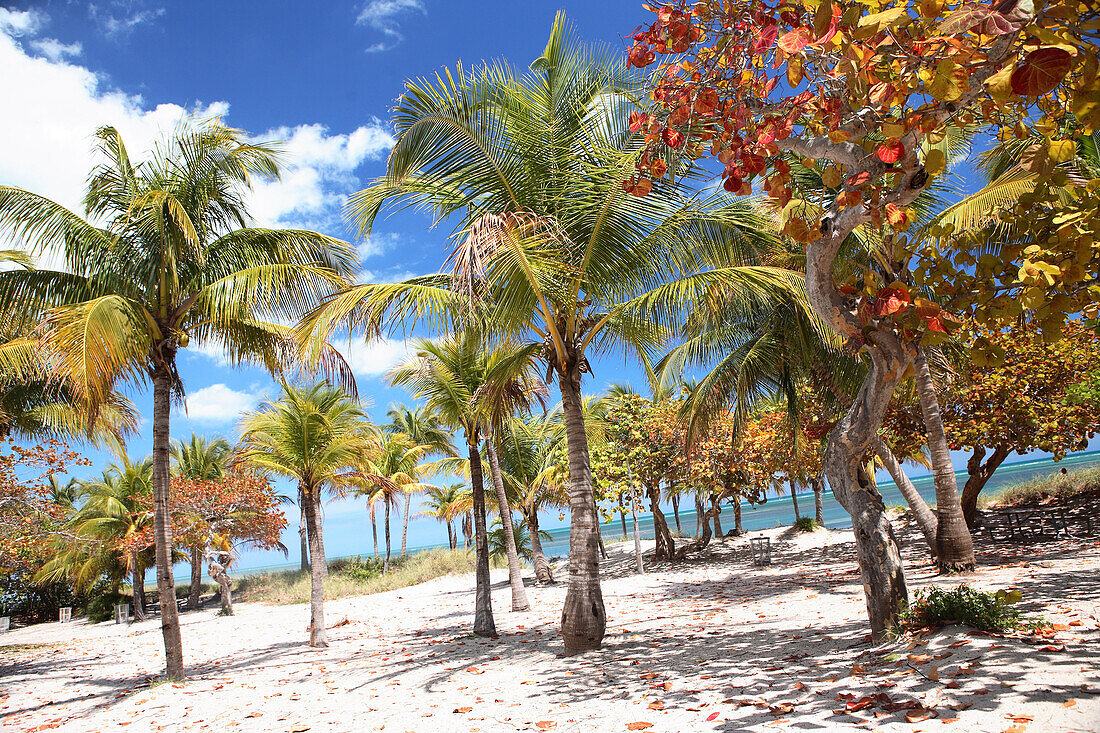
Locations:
377 244
53 106
318 175
375 357
116 24
21 22
219 404
55 50
382 16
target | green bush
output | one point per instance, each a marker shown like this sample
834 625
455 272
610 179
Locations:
806 524
101 607
965 605
1056 485
357 568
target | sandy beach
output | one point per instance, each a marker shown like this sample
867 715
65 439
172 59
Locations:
711 645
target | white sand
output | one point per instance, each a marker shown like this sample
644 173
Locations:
713 645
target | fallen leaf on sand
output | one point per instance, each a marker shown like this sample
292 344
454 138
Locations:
1069 703
640 725
934 674
463 710
649 676
475 670
712 717
799 686
656 705
919 658
860 704
961 706
1015 729
545 724
781 709
1020 718
1052 648
918 714
299 728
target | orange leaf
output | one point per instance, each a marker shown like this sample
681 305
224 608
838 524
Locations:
795 41
463 710
712 717
640 725
916 715
890 152
545 724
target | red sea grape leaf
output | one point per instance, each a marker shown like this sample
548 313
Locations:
796 40
764 39
891 151
1042 70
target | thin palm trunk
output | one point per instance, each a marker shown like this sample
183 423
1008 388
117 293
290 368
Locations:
302 530
819 508
468 529
794 500
954 545
195 595
138 582
622 514
515 575
162 526
716 502
405 523
676 512
538 557
374 531
926 518
451 539
386 562
637 537
318 635
699 513
584 618
484 625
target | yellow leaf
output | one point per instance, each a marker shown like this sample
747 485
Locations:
832 177
1000 84
935 161
1062 151
893 129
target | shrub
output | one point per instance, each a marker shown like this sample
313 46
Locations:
101 607
806 524
965 605
1057 485
358 569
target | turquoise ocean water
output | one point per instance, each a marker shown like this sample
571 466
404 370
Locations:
780 511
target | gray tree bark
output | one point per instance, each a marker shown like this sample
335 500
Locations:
318 635
195 594
484 625
162 526
926 518
542 568
954 545
515 572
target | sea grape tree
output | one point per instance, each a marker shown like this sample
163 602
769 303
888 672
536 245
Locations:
862 92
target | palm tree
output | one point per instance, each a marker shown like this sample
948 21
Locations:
444 504
199 460
530 168
464 385
401 460
174 261
423 429
112 527
317 436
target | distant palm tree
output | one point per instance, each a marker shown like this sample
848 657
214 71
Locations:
463 384
520 535
319 437
199 460
424 429
444 504
400 460
110 526
175 260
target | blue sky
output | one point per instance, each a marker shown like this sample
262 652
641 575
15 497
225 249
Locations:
320 75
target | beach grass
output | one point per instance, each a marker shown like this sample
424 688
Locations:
1055 485
354 577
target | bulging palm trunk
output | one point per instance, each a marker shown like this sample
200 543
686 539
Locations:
318 636
515 573
162 526
926 518
584 618
538 557
954 545
484 625
195 595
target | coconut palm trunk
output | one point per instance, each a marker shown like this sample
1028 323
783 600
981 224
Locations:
318 636
538 558
794 500
637 537
954 545
452 540
162 526
515 574
405 524
819 507
622 514
584 618
484 625
700 511
386 562
926 518
195 594
676 512
138 582
373 531
302 534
